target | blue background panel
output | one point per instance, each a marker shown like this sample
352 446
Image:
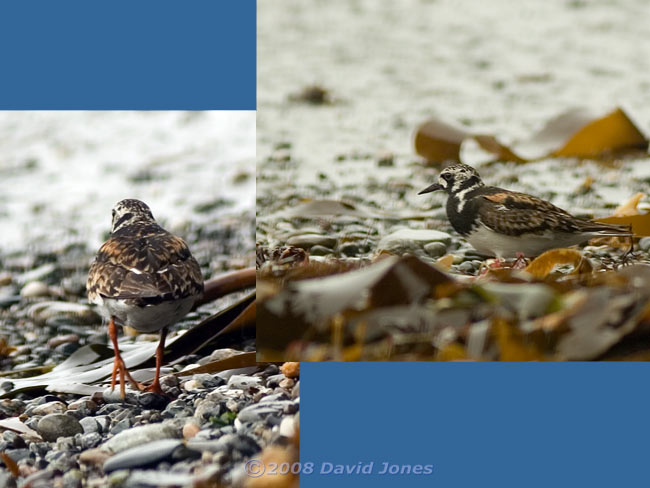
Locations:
147 55
478 424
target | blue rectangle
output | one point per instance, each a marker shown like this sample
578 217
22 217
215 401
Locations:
477 424
142 55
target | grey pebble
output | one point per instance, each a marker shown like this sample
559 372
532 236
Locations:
89 424
435 249
204 409
261 411
143 434
178 409
18 454
243 381
242 443
467 267
90 440
644 244
121 426
274 380
56 425
152 401
320 251
142 455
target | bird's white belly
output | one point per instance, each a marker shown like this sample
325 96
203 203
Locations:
146 319
491 243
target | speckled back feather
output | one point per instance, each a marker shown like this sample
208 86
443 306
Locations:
144 264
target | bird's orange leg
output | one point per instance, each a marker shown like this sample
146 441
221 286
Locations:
118 363
160 350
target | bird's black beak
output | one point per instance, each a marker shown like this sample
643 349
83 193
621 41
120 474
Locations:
429 189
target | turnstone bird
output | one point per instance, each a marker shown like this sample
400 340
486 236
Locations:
508 224
143 277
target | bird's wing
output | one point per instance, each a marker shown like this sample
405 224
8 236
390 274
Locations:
152 268
514 213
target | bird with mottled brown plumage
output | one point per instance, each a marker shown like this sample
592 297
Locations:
506 224
143 277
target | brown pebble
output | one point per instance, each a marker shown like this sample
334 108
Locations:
190 429
62 339
290 369
94 456
286 383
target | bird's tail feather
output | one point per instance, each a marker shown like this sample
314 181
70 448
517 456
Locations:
606 230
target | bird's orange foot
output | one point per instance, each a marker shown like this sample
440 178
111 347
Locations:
155 388
119 366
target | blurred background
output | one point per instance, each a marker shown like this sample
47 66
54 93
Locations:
343 85
62 172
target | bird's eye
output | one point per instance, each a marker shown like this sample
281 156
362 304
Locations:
445 176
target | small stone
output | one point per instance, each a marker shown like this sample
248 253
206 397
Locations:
274 380
405 240
90 440
56 425
73 313
112 395
152 401
18 454
38 274
435 249
644 244
467 267
307 241
143 434
349 249
142 455
89 425
291 369
5 279
208 381
61 460
94 456
67 349
121 426
320 251
104 422
192 385
62 339
206 409
243 382
35 289
232 405
243 444
261 411
190 429
286 383
84 405
287 427
50 407
179 409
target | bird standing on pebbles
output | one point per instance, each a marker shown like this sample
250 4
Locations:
143 277
508 224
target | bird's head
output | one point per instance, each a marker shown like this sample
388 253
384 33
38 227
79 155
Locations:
130 211
454 179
